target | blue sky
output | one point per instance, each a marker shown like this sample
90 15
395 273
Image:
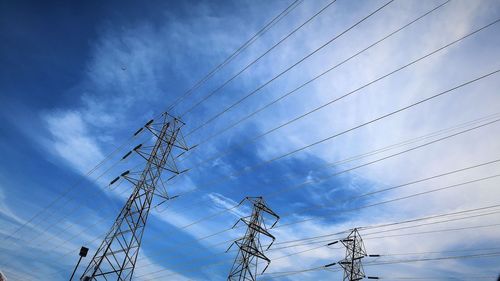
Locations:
78 79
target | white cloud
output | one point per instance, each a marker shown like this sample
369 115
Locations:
6 211
224 202
125 74
71 140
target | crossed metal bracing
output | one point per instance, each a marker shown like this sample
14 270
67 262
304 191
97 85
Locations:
116 256
355 252
250 250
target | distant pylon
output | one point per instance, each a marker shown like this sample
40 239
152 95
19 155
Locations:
116 256
250 249
354 253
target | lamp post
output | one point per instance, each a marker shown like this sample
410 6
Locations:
83 253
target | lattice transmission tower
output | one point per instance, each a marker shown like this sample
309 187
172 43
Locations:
250 249
354 253
116 256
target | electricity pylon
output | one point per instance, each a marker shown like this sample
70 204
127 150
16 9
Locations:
355 251
116 256
250 249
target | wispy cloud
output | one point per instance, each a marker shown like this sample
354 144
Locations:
134 71
72 140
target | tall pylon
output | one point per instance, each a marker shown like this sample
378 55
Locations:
250 249
355 252
116 256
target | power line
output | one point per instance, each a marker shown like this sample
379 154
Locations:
465 277
68 213
371 193
494 254
384 202
441 252
399 222
250 41
79 233
313 240
247 168
78 182
317 14
256 60
76 208
288 68
238 51
453 219
286 189
231 148
325 245
307 241
408 221
65 193
292 272
352 198
52 204
278 18
312 80
435 231
331 164
419 219
83 231
43 231
486 255
397 199
253 167
373 152
421 193
396 223
323 267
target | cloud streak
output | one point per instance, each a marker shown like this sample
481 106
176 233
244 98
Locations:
134 71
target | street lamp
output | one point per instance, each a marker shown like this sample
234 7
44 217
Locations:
83 253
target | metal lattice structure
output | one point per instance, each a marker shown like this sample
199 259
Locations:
250 250
355 252
116 256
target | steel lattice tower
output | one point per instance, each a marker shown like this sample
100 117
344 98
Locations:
116 256
355 252
250 249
